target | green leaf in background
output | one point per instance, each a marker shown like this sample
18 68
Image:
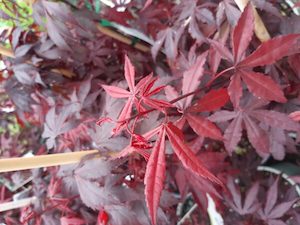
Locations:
15 13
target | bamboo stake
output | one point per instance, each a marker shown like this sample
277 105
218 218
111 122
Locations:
16 164
260 28
122 38
17 204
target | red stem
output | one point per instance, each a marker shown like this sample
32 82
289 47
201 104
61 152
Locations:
220 74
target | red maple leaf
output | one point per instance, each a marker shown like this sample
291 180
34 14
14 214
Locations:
249 115
267 53
139 94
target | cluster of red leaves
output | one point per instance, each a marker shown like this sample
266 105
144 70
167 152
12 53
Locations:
216 103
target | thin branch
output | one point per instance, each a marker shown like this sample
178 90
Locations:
188 214
16 164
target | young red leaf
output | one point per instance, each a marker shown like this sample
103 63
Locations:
263 87
126 110
271 51
172 94
155 175
129 74
235 89
186 155
204 127
156 103
242 33
233 133
146 84
143 83
155 91
191 78
213 100
125 113
116 92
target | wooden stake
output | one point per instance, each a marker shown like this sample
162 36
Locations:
16 164
16 204
122 38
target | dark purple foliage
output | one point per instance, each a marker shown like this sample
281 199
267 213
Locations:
196 115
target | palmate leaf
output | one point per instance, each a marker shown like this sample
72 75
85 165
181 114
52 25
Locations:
267 53
272 211
255 121
250 204
57 124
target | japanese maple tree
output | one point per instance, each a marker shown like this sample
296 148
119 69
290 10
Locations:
188 103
